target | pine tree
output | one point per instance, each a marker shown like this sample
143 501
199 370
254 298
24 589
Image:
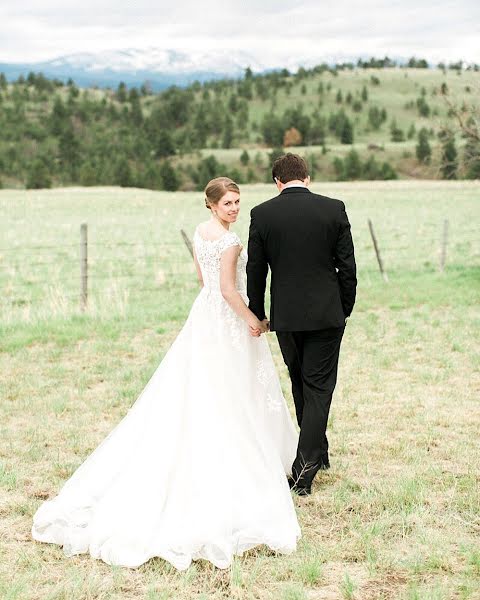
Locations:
471 159
352 165
449 163
123 173
233 103
423 107
274 154
152 177
38 176
227 138
375 117
347 132
423 149
121 92
387 171
58 116
69 151
339 169
87 175
272 129
136 114
164 145
171 179
207 169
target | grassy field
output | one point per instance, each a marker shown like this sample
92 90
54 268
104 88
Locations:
396 517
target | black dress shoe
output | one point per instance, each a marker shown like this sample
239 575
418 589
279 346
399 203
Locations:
324 462
297 489
302 491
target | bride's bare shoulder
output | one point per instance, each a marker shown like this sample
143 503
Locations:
202 226
209 231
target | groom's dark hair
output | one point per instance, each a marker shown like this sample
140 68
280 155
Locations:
289 167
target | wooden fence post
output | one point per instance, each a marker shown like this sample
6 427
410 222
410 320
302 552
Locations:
83 267
377 252
187 241
443 250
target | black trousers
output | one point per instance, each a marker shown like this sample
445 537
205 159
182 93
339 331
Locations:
312 361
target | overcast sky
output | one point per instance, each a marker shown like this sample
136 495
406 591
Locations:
273 32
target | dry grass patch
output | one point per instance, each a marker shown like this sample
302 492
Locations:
397 516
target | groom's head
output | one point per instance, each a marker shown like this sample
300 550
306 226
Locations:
290 168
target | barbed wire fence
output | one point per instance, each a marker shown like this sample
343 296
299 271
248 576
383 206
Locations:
76 272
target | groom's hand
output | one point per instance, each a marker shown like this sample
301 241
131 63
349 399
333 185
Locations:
265 326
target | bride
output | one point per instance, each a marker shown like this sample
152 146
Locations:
197 468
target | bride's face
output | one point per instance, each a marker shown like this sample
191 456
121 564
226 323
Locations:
228 207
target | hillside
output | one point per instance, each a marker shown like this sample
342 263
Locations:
56 134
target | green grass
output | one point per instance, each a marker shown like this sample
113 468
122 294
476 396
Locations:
395 517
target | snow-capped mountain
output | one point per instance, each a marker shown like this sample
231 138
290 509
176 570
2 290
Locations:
159 67
160 61
162 68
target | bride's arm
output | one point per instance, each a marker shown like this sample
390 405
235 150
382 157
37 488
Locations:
228 274
197 267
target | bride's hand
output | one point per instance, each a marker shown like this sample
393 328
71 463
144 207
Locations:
255 326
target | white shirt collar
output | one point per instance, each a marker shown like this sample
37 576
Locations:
289 185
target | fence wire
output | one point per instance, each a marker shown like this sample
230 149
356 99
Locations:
30 274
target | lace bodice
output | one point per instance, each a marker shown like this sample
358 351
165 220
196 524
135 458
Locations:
209 253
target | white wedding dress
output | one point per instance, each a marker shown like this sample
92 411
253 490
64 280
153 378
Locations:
196 469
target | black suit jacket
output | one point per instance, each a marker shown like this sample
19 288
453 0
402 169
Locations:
305 239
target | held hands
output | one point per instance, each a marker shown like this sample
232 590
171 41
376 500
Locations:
258 327
265 325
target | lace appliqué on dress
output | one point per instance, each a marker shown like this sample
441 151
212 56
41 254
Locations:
209 254
265 375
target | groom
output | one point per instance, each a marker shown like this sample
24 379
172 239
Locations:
305 240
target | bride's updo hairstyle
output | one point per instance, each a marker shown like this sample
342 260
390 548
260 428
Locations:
217 188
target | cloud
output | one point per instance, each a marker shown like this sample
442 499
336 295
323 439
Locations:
276 33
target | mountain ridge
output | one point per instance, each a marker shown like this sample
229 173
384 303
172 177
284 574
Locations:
158 67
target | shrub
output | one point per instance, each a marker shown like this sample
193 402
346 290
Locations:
244 158
352 167
423 107
396 134
292 137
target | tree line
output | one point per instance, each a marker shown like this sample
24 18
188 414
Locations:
54 133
